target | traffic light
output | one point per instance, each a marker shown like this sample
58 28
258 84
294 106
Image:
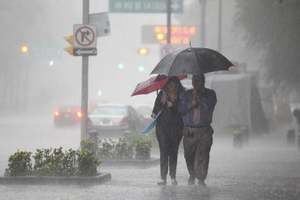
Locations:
51 63
70 40
120 66
99 93
143 51
141 68
160 36
24 49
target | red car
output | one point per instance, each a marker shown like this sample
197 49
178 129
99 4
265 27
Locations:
67 115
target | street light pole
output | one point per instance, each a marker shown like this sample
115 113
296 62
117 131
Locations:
169 23
85 71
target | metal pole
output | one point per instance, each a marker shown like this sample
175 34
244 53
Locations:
85 71
169 12
220 26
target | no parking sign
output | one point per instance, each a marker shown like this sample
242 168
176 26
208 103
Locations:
85 39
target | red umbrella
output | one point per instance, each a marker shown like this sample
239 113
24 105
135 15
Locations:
152 84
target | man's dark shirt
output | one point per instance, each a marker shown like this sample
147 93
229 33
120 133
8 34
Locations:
205 108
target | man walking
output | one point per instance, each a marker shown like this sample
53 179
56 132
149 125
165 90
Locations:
196 107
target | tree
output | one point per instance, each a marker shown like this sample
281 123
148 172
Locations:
274 26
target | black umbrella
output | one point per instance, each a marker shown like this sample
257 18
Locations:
192 61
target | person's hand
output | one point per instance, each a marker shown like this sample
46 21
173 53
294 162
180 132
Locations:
163 99
195 103
169 104
153 115
172 97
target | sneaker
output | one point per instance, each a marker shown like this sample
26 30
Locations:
191 181
162 182
201 183
173 181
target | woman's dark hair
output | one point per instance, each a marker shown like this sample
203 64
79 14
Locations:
176 80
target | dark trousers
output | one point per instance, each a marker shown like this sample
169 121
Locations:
168 139
197 143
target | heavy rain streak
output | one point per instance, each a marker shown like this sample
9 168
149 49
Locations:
150 99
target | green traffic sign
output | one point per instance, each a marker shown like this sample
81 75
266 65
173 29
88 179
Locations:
144 6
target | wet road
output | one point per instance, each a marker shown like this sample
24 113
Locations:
266 169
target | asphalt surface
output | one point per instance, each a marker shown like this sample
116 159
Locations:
265 169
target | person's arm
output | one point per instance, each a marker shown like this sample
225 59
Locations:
158 104
210 100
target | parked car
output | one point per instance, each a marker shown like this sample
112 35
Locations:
115 119
67 115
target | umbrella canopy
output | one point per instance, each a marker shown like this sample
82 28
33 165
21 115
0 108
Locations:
152 84
192 61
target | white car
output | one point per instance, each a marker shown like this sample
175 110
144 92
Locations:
115 119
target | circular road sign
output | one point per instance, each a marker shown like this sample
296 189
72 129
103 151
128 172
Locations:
85 36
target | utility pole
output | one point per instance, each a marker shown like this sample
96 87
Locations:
220 26
85 72
169 23
203 19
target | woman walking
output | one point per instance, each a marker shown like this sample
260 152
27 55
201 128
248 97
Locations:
168 128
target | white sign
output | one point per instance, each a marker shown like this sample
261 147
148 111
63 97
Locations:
85 52
84 36
144 6
101 22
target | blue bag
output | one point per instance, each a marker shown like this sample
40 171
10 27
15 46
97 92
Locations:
147 129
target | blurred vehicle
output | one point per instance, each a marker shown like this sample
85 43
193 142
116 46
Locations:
115 119
67 115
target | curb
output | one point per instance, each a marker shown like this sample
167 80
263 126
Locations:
101 178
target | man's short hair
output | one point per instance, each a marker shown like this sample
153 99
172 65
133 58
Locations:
199 77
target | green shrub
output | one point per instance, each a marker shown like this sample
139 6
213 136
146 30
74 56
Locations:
123 149
87 163
53 162
106 149
142 144
135 138
138 146
19 164
69 163
41 160
143 149
89 145
56 162
48 162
